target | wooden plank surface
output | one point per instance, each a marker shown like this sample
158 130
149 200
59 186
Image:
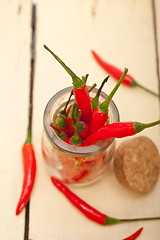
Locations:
122 33
15 69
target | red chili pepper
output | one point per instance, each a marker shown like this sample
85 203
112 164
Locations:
116 73
100 113
134 235
71 118
89 90
88 210
80 91
117 130
81 97
29 165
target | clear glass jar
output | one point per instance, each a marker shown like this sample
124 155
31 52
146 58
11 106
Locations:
68 163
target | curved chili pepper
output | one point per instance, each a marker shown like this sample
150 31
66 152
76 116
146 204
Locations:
100 113
134 235
80 91
90 212
116 73
117 130
29 166
95 100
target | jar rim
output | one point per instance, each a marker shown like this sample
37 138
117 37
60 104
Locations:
71 149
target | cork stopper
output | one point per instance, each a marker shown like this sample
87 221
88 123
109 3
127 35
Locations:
137 164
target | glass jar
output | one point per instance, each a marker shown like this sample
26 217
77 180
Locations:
72 164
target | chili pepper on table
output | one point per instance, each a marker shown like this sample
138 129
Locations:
29 166
134 235
100 113
116 73
80 91
90 212
61 134
95 100
117 130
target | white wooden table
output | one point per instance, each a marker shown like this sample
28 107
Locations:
122 32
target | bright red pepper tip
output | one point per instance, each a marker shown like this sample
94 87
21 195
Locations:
134 235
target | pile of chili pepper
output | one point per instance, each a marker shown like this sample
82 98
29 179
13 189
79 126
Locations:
86 122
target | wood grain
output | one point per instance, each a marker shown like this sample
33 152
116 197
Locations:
122 32
14 91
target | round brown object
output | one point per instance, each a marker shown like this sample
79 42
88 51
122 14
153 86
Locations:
137 164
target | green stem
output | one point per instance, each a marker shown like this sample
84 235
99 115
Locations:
76 139
138 127
95 100
103 107
110 220
64 110
77 82
28 139
136 84
84 78
139 219
92 87
102 84
60 133
73 115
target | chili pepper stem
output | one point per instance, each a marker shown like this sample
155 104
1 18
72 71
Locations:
60 133
136 84
110 220
103 107
138 127
76 139
77 82
139 219
99 90
64 110
84 78
92 87
94 101
28 139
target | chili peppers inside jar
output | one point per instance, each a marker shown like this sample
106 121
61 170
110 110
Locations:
73 164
